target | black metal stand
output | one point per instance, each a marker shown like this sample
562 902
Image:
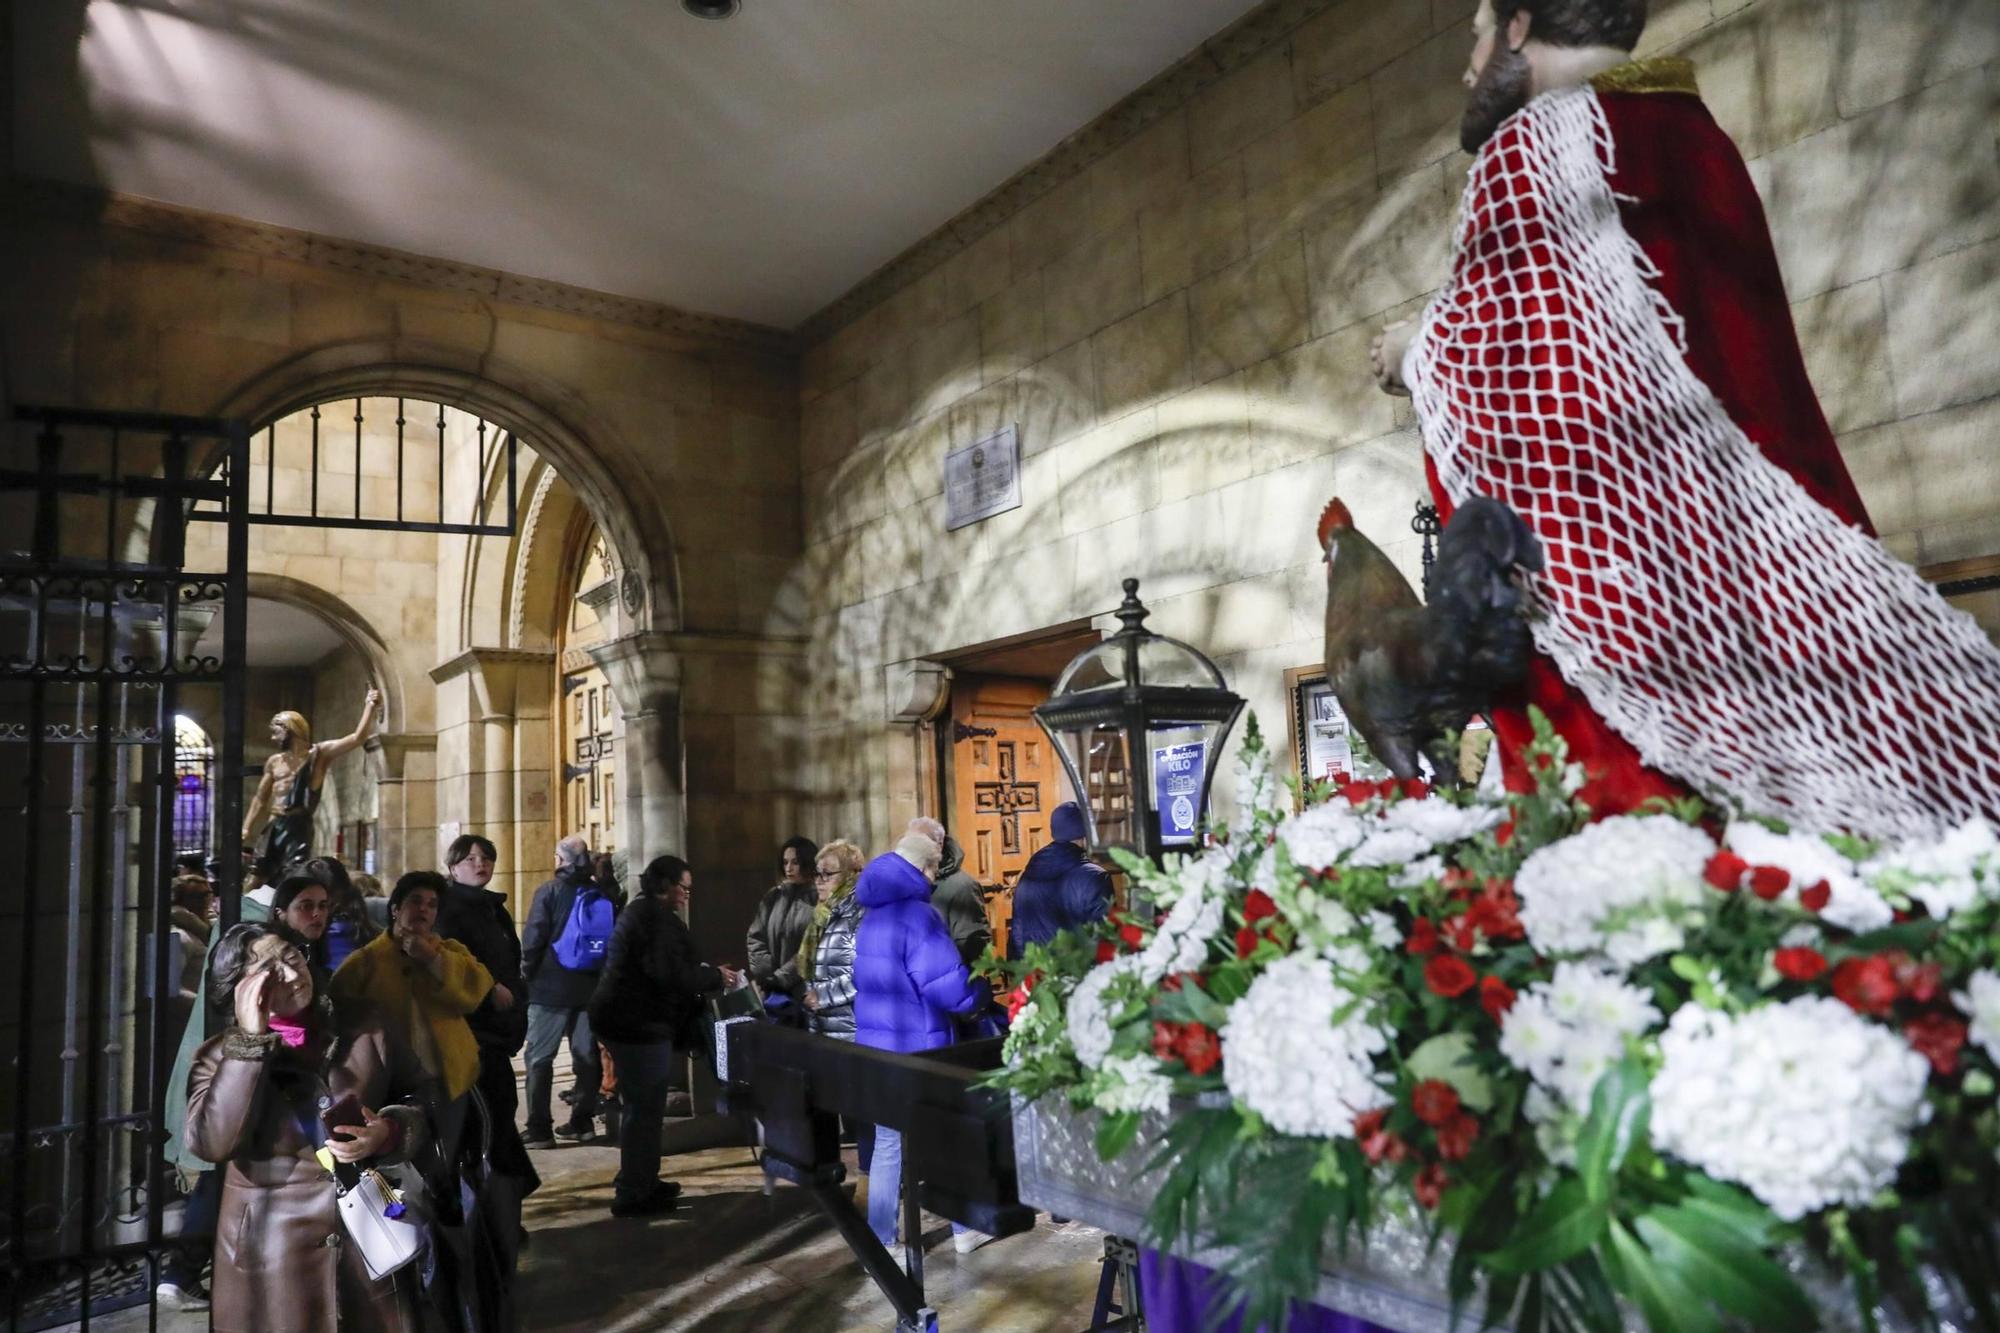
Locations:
904 1287
1119 1276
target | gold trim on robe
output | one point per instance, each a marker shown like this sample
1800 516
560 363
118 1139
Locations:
1658 74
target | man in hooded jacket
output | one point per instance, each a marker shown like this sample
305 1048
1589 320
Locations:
957 895
1061 888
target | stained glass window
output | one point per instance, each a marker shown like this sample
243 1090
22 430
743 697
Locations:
194 787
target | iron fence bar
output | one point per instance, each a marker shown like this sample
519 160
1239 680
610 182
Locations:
357 458
92 483
24 1043
513 444
229 791
270 466
362 525
158 882
399 460
95 962
477 516
315 459
440 469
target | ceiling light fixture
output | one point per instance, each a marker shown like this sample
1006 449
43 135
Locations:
711 9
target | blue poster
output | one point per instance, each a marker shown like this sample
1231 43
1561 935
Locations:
1177 789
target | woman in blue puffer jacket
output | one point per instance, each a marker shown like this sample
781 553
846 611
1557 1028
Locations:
908 984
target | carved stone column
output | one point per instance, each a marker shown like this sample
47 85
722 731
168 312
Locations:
645 674
406 802
918 693
492 703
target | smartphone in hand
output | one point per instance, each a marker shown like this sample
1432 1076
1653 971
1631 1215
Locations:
342 1114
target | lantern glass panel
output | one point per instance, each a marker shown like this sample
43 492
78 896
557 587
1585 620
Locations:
1162 661
1100 772
1179 755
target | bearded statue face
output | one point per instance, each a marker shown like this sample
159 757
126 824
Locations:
1497 80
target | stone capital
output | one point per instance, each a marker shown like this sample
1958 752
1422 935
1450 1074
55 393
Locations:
497 675
396 749
916 691
644 670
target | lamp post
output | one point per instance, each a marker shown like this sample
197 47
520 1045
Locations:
1139 721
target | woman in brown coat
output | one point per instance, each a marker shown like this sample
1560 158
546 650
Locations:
282 1261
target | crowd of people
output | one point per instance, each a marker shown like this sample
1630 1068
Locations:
337 1029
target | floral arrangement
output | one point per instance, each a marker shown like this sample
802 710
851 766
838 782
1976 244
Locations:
1639 1064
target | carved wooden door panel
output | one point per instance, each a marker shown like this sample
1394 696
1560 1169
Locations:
1004 783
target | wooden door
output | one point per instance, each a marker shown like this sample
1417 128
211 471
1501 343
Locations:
1004 780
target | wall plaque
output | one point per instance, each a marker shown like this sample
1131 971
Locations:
982 479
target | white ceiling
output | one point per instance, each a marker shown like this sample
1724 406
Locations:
276 634
757 167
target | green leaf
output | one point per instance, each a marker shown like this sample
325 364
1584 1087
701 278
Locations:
1909 936
1449 1057
1115 1133
1204 1008
1619 1110
1563 1225
1669 1304
1716 1261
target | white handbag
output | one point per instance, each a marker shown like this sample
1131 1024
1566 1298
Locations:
380 1224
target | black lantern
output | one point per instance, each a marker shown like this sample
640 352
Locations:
1139 721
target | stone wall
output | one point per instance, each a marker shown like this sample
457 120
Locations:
1176 308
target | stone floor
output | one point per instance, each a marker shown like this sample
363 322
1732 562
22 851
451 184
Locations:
733 1258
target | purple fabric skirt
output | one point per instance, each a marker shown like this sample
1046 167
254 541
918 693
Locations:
1177 1295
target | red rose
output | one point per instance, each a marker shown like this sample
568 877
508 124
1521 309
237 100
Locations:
1164 1036
1423 937
1866 985
1815 899
1430 1185
1725 871
1017 999
1370 1122
1505 833
1246 942
1767 882
1199 1049
1918 981
1415 789
1463 937
1938 1038
1435 1101
1106 951
1257 905
1457 1135
1799 964
1340 777
1378 1144
1496 997
1496 912
1449 976
1460 882
1132 935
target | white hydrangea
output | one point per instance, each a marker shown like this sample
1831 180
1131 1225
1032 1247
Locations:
1809 859
1418 873
1943 874
1132 1083
1319 837
1566 1031
1624 887
1390 847
1181 942
1383 932
1089 1018
1439 822
1806 1104
1981 999
1285 1058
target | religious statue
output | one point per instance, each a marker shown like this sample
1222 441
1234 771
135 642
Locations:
1612 357
298 770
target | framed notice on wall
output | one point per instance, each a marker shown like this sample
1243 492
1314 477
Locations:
1322 740
982 479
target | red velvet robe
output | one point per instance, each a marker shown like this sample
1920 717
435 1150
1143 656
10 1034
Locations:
1687 199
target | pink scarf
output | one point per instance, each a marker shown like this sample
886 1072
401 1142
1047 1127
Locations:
290 1031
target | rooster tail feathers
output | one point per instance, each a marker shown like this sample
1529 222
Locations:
1333 518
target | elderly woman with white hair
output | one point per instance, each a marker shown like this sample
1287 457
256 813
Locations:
909 982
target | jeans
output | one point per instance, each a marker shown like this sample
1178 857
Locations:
189 1254
547 1026
645 1069
885 1181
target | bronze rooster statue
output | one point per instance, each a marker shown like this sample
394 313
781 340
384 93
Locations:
1408 674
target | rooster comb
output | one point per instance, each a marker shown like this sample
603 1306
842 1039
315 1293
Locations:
1335 516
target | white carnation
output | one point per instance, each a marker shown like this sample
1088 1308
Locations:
1625 888
1089 1018
1941 873
1390 847
1810 859
1564 1033
1181 942
1322 835
1981 999
1806 1103
1384 933
1286 1058
1418 873
1132 1083
1439 822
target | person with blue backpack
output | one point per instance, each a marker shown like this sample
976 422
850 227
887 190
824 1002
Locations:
564 941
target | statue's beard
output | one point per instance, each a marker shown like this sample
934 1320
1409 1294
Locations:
1502 90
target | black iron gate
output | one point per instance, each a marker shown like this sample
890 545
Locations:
104 639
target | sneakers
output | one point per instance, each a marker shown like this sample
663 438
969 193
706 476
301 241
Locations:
663 1198
578 1131
174 1296
965 1242
537 1138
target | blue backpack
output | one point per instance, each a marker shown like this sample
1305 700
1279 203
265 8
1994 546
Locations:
587 933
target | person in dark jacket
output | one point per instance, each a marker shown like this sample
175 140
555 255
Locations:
646 1004
558 997
782 918
477 917
348 925
908 985
1061 887
957 896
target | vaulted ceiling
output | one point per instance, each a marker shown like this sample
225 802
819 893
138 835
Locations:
756 167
